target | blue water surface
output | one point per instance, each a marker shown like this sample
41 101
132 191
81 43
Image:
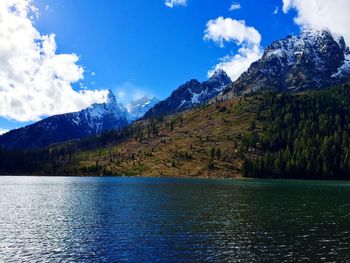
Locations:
94 219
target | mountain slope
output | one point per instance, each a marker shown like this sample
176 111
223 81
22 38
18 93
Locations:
314 59
90 121
266 134
259 135
190 94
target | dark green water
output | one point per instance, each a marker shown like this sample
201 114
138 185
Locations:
173 220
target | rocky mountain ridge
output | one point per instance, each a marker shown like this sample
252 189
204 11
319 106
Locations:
311 60
190 94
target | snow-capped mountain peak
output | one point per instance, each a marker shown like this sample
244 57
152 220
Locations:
111 98
190 94
93 120
96 114
311 60
220 75
219 79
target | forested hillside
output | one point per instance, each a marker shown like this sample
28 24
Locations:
304 136
267 135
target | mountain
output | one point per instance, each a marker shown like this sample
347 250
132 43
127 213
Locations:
190 94
90 121
138 108
266 135
312 60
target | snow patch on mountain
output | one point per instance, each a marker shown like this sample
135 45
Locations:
190 94
344 70
209 89
58 128
138 108
96 116
311 60
290 49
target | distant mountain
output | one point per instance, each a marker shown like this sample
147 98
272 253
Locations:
90 121
138 108
314 59
190 94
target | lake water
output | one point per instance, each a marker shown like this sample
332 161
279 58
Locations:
173 220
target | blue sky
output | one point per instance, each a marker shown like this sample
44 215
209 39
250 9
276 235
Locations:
148 44
139 47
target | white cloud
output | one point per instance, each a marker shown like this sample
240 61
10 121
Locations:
35 81
121 95
129 91
2 131
235 65
275 12
322 14
223 30
172 3
235 6
230 30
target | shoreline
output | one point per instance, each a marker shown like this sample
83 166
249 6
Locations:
180 177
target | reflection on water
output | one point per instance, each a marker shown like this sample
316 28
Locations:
167 220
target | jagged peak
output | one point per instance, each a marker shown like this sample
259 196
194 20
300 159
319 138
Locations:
341 41
111 97
314 35
143 101
110 106
306 35
315 58
221 76
137 108
192 82
315 31
342 44
218 73
307 38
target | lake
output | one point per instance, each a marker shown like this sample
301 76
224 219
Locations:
109 219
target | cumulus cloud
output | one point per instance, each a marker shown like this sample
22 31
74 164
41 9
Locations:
223 30
2 131
235 6
172 3
322 14
35 81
